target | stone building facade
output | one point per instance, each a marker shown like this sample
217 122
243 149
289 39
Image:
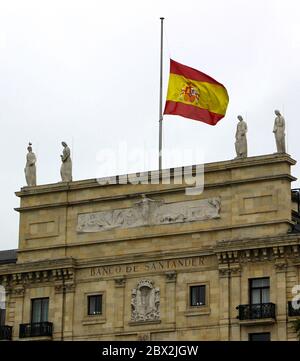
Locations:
148 262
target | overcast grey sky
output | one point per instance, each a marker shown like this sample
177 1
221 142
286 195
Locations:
87 72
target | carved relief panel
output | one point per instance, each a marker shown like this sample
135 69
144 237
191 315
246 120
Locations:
150 212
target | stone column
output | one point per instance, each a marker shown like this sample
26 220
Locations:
119 299
281 300
235 300
224 275
171 297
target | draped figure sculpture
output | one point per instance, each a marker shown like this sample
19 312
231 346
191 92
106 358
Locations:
241 139
279 132
66 167
30 167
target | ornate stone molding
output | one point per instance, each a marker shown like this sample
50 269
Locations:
120 281
259 254
66 274
64 288
280 266
17 291
235 270
16 283
4 281
145 302
59 288
171 276
224 271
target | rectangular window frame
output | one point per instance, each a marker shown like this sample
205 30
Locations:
2 316
190 295
96 319
41 311
200 309
250 335
88 304
251 288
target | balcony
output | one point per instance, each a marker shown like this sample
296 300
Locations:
40 329
5 333
292 311
261 313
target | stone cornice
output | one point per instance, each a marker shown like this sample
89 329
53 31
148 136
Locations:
262 242
221 247
145 257
278 248
193 233
15 283
72 264
37 266
226 251
173 189
209 167
269 253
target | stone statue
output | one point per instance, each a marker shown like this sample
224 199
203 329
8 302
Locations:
279 132
66 167
241 139
30 168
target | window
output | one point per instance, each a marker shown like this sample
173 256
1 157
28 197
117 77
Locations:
39 310
95 305
259 290
2 317
263 336
197 295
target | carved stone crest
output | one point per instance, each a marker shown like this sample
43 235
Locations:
145 302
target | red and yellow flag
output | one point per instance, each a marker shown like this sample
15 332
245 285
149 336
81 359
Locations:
195 95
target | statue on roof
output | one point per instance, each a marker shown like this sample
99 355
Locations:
30 167
241 138
279 132
66 167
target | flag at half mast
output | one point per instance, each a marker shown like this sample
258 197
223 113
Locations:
195 95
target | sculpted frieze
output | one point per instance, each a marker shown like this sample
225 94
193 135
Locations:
149 212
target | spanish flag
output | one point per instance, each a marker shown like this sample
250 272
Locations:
195 95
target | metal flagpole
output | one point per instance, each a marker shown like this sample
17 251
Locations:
160 93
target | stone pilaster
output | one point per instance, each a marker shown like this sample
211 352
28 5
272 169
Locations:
171 297
281 301
68 311
224 275
235 300
17 297
58 311
119 298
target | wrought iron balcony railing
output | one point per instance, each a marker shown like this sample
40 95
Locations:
36 329
5 333
256 311
293 312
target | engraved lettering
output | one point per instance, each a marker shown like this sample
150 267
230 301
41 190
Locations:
148 267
